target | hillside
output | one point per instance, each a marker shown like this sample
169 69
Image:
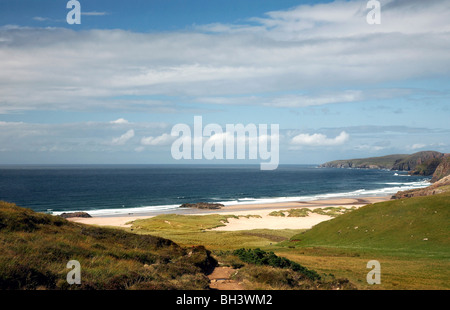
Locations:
410 162
383 162
420 163
36 248
413 225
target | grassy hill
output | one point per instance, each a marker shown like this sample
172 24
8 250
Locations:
414 225
36 248
423 163
409 237
382 162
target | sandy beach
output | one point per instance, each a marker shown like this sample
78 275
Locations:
261 212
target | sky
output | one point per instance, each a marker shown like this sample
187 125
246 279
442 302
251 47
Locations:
110 89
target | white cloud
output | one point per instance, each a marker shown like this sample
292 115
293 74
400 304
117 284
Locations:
40 19
318 139
94 13
418 146
119 121
288 101
123 138
164 139
300 49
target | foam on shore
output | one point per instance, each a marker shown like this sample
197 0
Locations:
399 186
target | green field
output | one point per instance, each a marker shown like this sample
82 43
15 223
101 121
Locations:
189 230
409 237
35 249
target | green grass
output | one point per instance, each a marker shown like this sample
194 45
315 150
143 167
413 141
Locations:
391 232
397 271
417 225
36 248
409 237
303 212
189 230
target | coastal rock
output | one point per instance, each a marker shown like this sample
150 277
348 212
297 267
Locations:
403 162
420 158
427 168
202 205
436 188
442 170
75 214
383 162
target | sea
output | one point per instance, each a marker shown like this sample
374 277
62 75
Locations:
111 190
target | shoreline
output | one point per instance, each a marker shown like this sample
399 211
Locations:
260 209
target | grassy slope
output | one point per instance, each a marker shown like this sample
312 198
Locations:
392 226
391 232
395 233
383 161
395 162
35 249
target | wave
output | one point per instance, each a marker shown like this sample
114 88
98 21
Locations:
125 211
397 186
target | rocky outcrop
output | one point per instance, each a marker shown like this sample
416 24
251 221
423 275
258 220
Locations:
383 162
75 214
420 163
202 205
442 170
438 187
414 160
427 168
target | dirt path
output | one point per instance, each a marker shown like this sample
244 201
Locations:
221 279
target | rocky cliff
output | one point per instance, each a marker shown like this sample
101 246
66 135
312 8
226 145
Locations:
442 170
420 163
414 160
441 186
383 162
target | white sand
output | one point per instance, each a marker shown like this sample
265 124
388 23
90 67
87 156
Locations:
271 222
262 210
118 221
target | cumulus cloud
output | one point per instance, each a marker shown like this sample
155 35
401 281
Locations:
318 139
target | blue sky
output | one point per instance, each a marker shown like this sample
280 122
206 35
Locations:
337 86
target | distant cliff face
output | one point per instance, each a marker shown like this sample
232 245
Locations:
442 170
421 163
412 161
383 162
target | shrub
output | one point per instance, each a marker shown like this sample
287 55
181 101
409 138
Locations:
260 257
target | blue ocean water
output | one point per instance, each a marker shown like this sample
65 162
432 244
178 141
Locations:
122 189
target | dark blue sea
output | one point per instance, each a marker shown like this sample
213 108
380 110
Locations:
123 189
